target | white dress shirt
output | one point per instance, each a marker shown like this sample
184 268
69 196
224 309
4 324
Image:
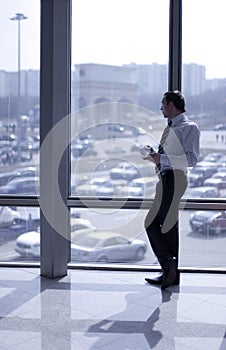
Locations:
181 148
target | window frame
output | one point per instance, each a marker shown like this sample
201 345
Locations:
55 89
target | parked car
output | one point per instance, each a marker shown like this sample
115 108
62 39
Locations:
79 150
101 246
21 186
22 150
202 192
205 164
213 222
197 175
218 180
83 145
29 219
139 187
8 137
105 191
8 216
7 155
28 244
222 169
115 150
219 127
20 172
213 157
5 178
125 171
221 162
100 187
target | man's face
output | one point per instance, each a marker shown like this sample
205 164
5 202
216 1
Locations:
164 108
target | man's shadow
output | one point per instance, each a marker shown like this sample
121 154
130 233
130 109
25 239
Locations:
116 325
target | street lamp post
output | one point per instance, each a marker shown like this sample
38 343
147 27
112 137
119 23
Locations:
18 17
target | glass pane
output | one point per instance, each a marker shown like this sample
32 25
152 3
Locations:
115 235
19 93
111 236
116 103
19 233
202 237
119 236
204 86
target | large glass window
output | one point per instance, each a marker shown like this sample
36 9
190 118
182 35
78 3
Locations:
19 124
119 72
19 97
204 85
115 236
19 233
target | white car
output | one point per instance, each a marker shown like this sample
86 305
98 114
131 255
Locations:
139 187
28 244
104 246
8 216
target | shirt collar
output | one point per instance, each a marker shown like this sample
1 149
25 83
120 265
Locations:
178 119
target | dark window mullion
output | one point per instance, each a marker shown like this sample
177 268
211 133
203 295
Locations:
175 44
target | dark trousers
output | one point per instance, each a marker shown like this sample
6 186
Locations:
161 222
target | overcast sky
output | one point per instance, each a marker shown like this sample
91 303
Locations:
120 32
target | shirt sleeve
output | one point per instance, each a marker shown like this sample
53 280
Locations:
190 142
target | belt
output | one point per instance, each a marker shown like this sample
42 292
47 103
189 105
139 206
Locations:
172 171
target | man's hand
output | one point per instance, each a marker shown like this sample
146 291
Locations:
153 157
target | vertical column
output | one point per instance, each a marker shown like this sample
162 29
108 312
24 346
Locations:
175 45
54 135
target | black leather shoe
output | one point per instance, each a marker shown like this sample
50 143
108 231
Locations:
169 273
155 280
158 280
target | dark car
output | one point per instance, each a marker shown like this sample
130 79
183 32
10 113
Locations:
5 178
198 175
219 127
83 146
21 186
208 221
8 155
20 172
203 192
221 162
24 148
218 180
79 150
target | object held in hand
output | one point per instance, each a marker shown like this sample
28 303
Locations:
145 151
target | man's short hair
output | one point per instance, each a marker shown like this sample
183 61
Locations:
177 98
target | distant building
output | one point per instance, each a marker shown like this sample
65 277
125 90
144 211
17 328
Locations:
29 83
97 83
4 82
150 78
193 79
213 84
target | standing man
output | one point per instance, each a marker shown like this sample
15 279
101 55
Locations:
178 149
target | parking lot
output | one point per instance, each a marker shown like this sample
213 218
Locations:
197 249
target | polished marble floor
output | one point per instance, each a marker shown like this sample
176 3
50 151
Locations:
90 310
